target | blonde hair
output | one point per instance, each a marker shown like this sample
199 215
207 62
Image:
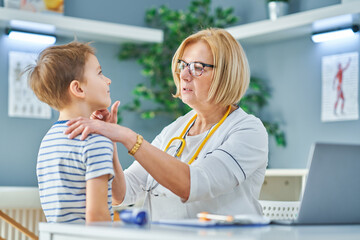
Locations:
55 68
231 74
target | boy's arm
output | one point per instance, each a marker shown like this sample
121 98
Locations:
118 184
96 199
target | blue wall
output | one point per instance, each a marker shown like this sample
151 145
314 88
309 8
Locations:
291 68
20 137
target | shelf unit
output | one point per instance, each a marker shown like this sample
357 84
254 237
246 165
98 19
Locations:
286 27
283 184
84 28
289 26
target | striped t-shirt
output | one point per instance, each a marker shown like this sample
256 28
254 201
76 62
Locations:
63 167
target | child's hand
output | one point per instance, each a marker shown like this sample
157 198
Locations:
105 115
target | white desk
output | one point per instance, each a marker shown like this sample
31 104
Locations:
112 231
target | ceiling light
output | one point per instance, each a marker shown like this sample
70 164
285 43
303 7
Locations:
39 38
334 34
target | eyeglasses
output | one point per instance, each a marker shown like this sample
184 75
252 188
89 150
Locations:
195 68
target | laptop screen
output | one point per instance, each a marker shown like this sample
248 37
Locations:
332 191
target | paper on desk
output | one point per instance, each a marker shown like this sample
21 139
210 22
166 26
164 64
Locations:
239 220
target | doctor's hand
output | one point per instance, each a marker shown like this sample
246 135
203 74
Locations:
86 126
105 115
101 122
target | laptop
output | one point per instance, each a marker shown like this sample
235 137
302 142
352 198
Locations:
332 190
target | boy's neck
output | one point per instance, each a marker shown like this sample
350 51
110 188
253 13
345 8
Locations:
75 110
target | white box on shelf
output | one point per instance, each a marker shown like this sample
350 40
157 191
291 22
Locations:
43 6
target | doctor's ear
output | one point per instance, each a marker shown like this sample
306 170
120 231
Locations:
76 89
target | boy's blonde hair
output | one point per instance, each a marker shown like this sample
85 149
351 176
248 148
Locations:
231 74
54 70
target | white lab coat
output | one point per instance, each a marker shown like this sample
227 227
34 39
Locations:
226 178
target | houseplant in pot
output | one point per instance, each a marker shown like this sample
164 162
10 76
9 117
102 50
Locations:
155 59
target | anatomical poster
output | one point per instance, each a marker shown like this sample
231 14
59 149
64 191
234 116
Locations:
22 100
340 81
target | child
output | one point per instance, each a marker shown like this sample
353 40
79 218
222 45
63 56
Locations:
74 176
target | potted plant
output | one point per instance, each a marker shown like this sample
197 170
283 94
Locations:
277 8
156 61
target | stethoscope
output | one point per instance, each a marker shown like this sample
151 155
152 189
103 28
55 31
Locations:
180 149
181 138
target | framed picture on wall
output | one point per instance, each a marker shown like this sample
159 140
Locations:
340 78
22 100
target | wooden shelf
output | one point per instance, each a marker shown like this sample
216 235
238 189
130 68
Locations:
289 26
84 29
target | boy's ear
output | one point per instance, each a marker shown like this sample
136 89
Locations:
76 89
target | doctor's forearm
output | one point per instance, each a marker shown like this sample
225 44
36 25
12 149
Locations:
165 169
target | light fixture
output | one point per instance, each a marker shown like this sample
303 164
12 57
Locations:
335 34
34 37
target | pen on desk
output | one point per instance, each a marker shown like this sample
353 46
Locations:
204 216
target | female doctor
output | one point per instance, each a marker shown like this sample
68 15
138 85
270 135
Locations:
212 159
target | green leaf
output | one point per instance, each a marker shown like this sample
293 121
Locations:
148 115
155 59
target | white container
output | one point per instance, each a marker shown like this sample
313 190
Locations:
43 6
277 9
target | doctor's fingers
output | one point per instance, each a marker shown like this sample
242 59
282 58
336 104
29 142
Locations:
114 112
76 126
105 115
99 114
86 131
74 130
83 129
75 120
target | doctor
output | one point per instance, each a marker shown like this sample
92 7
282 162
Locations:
212 159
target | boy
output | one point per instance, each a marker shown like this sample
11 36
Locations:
74 176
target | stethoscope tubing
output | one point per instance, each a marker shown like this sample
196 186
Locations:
182 136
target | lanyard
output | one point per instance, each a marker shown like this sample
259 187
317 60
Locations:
183 133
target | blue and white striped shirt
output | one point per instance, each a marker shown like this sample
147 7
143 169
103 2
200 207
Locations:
63 167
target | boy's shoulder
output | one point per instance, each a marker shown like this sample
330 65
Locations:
56 133
95 138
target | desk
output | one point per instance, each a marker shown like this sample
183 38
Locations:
117 230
